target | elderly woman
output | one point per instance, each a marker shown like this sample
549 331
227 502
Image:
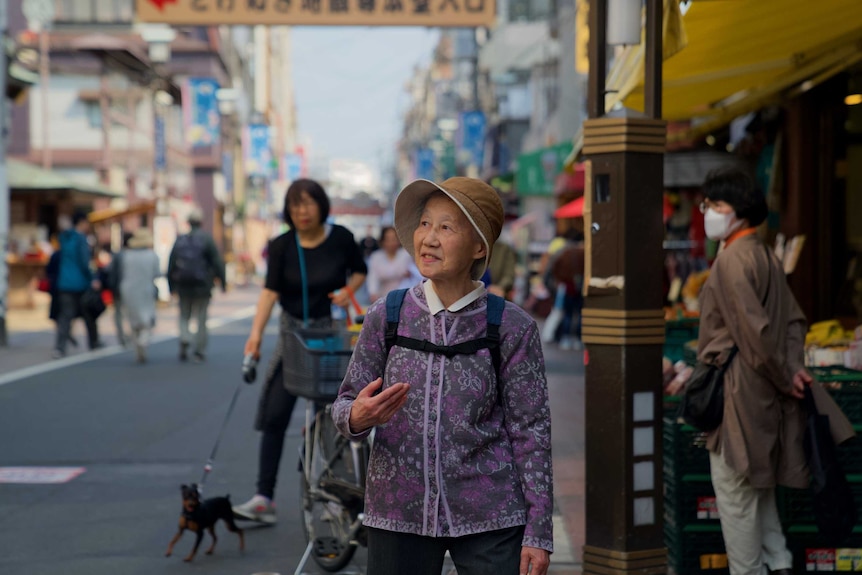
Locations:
462 447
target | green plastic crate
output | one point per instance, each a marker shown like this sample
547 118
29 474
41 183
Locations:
796 506
684 451
686 545
689 500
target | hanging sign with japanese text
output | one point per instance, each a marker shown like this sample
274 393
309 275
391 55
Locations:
201 112
320 12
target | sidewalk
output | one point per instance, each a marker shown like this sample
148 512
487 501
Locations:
31 341
32 334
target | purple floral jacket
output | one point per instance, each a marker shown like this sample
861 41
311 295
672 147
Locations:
452 462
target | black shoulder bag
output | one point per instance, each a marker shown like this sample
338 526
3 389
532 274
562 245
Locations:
702 404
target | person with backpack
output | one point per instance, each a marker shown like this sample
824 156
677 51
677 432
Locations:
193 266
75 283
451 378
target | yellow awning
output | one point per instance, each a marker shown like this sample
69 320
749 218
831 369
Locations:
741 55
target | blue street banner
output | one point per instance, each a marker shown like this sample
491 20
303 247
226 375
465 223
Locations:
292 167
161 160
227 171
258 156
473 135
201 112
424 163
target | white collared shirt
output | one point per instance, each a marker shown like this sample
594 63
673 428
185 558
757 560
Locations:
436 306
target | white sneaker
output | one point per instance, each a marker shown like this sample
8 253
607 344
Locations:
258 508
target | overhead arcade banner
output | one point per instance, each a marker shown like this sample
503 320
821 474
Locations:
320 12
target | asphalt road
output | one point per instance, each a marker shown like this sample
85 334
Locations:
140 432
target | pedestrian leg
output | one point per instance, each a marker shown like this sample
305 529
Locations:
495 552
118 321
775 552
200 310
68 310
185 333
741 524
90 322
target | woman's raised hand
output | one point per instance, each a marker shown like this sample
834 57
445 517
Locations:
371 408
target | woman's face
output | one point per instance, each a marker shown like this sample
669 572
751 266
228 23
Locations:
720 206
445 242
390 242
305 213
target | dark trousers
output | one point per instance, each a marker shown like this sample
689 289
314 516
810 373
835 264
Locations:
279 408
69 308
490 553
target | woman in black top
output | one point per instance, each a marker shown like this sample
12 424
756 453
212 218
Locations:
334 269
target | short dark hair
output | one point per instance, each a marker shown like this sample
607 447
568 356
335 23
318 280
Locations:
383 231
736 187
314 190
77 218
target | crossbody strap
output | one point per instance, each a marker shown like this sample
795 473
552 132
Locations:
302 272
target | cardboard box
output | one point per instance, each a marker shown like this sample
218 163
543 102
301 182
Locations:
707 508
848 560
820 560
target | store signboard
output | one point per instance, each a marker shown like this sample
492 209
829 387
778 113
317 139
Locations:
538 170
161 157
448 13
473 135
200 109
424 163
258 156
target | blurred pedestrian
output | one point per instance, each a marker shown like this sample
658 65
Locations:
333 270
74 279
193 266
501 269
138 292
368 245
388 266
52 272
113 273
462 439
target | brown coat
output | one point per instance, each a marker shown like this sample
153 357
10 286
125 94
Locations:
761 434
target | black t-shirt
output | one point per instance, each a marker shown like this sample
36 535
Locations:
328 266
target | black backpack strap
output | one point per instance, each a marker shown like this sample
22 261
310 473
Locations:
496 305
394 299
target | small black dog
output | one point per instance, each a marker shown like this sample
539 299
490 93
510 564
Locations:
199 515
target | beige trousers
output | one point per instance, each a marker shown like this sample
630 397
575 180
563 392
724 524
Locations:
749 522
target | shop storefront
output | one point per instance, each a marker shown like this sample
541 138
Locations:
37 198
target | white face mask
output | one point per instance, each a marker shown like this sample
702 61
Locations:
719 226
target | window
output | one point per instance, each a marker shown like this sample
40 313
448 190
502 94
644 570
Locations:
98 11
93 110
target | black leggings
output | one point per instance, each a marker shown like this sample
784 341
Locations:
279 408
490 553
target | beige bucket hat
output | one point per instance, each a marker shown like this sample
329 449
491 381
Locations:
142 238
479 202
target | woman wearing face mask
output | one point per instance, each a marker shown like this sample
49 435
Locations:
746 303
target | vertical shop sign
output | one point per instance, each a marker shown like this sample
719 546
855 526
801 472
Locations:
227 171
201 112
292 167
160 160
473 135
424 164
258 157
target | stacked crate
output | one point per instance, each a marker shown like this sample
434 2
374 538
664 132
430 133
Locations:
811 551
691 526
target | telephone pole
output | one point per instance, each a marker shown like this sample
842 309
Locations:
4 179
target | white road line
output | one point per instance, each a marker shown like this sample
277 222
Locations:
55 364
